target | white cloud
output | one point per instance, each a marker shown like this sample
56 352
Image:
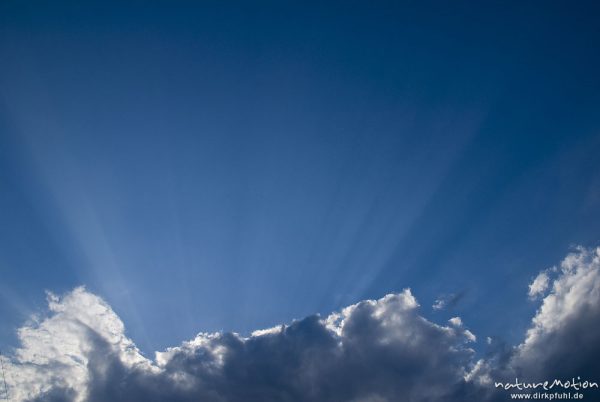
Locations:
566 329
470 336
539 285
577 287
458 324
448 301
563 339
372 350
375 350
55 351
268 331
439 304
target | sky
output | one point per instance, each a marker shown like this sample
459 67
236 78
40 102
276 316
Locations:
211 166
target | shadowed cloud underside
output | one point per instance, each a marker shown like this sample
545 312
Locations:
375 350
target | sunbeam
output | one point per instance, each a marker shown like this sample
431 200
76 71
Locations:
226 167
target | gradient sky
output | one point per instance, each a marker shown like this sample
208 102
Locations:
204 166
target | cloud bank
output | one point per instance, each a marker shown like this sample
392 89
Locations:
564 338
375 350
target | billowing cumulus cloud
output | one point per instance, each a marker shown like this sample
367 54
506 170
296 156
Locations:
563 341
57 352
539 285
564 336
375 350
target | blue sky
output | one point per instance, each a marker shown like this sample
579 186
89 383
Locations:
210 166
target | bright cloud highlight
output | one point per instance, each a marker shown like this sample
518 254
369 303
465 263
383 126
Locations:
375 350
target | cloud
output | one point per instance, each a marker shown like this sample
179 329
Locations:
448 301
563 340
457 323
55 352
375 350
565 332
539 285
439 304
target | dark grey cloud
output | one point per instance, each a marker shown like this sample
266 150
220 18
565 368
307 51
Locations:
375 350
381 350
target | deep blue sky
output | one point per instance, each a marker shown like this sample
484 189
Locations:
205 166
